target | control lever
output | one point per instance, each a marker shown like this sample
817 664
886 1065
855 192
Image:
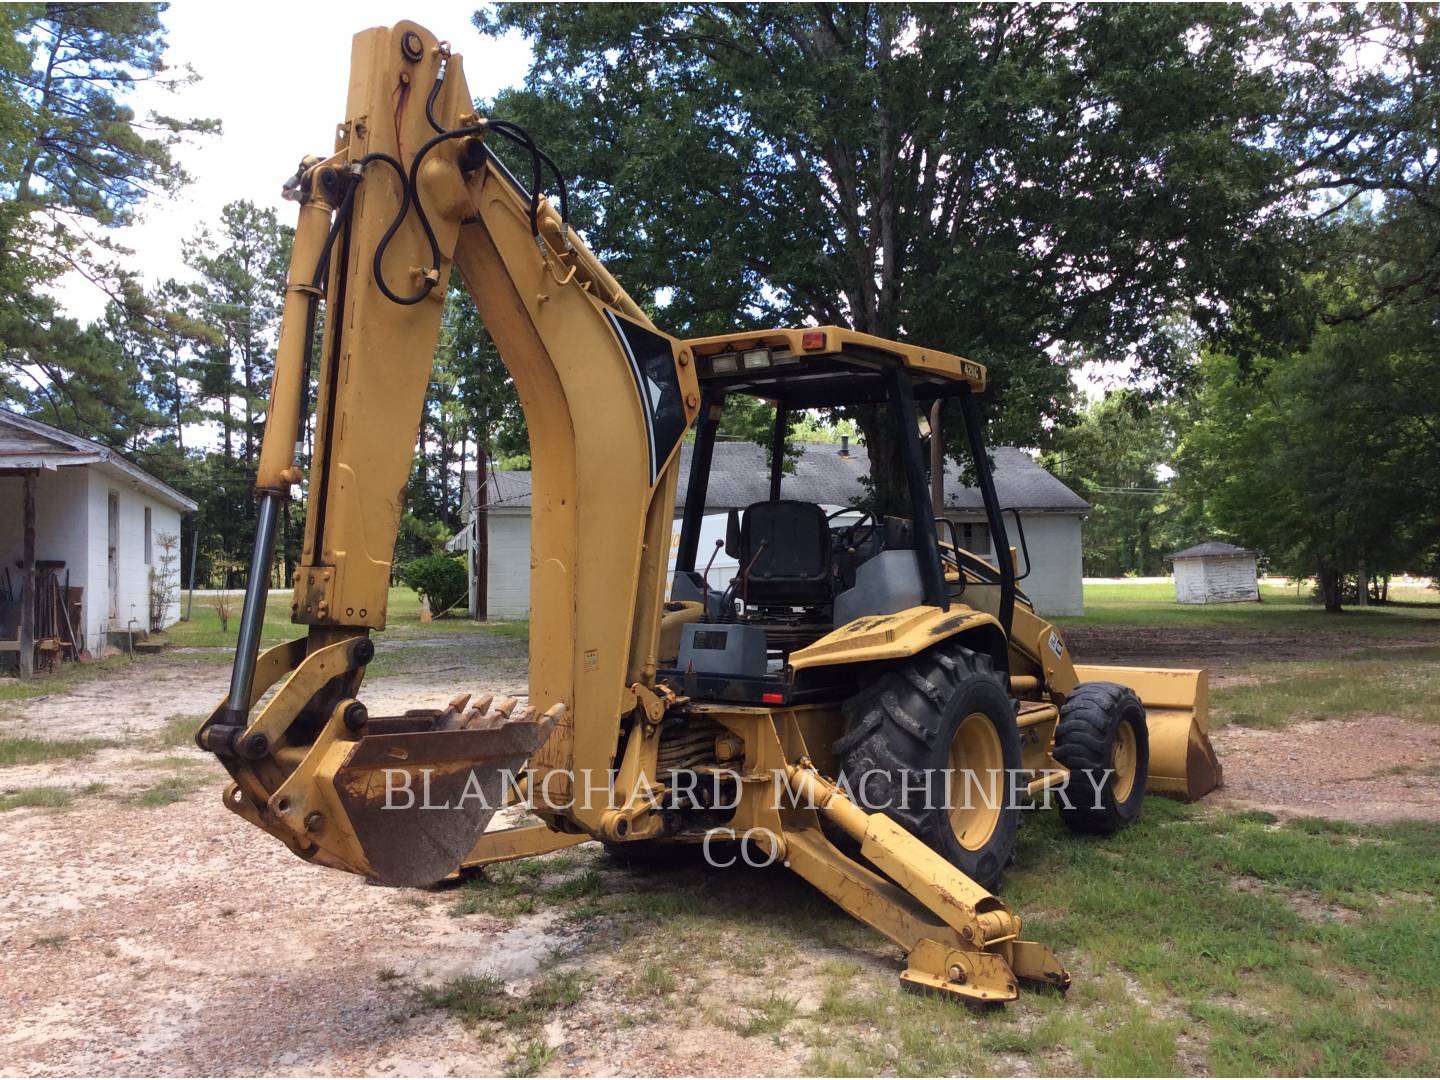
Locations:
745 575
705 581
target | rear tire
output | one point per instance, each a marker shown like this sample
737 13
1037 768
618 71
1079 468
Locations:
911 736
1102 739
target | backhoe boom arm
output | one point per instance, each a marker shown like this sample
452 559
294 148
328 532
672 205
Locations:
607 399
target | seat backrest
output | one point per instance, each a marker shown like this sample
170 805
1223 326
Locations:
794 566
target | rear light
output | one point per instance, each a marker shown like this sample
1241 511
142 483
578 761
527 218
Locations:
725 364
812 340
755 358
773 699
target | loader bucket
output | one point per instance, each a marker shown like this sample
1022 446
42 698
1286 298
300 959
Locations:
1183 764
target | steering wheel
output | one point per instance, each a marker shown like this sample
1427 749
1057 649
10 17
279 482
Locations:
850 535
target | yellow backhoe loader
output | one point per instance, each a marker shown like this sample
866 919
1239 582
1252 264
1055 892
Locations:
865 701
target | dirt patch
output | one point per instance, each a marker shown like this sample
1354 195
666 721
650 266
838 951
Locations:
142 940
1366 769
135 700
1308 906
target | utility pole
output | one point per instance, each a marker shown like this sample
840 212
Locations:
480 534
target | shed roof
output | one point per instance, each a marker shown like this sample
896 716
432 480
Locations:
739 477
26 443
1211 548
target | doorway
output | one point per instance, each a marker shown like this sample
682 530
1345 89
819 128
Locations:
113 517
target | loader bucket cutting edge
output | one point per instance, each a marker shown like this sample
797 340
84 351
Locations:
1183 764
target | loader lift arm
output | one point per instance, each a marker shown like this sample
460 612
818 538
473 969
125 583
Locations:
411 191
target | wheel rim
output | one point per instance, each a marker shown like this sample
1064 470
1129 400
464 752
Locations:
975 804
1123 760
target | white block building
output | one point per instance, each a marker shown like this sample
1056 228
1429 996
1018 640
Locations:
827 474
96 520
1215 573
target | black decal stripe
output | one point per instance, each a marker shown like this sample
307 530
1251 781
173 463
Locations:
641 389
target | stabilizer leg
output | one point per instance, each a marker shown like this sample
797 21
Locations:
959 939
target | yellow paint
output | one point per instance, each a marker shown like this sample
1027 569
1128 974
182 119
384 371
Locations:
602 528
888 637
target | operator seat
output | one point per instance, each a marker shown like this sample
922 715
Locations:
793 569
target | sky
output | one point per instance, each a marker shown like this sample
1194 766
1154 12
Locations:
275 75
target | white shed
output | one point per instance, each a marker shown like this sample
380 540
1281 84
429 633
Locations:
94 521
1215 573
826 473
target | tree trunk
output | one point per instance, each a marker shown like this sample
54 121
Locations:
42 120
248 361
888 491
179 400
1331 582
229 383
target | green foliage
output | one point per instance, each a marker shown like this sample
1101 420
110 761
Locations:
76 158
439 579
1116 458
418 538
1364 106
1325 459
1015 183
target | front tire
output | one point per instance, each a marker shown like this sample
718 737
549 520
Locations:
932 743
1102 739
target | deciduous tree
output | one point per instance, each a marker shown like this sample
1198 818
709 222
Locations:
1011 182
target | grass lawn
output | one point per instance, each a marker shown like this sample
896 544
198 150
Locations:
1229 944
1283 609
1380 660
1367 682
203 630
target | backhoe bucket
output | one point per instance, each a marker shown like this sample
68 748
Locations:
417 801
1183 764
406 802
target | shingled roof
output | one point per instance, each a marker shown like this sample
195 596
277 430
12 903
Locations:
739 476
27 443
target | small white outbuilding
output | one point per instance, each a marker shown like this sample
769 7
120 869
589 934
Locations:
1215 573
80 520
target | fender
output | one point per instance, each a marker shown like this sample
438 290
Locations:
897 636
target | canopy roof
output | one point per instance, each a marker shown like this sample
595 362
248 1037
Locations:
826 366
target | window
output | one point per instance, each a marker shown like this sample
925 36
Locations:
147 536
974 537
